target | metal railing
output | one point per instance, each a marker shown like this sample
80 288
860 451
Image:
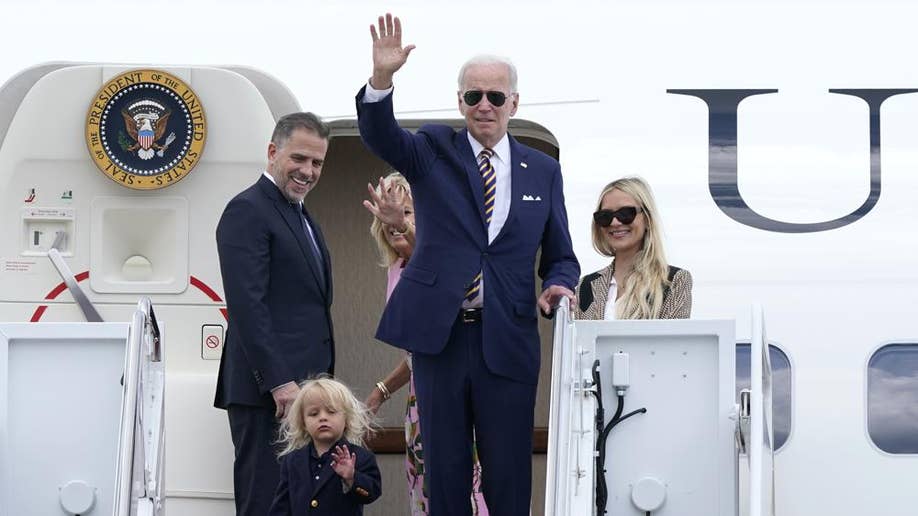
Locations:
86 306
557 475
139 471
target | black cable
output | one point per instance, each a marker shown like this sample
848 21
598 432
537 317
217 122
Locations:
613 423
602 490
618 409
597 393
600 419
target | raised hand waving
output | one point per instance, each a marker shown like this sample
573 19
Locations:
388 53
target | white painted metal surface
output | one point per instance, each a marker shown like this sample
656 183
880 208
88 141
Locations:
81 418
679 456
683 373
761 441
60 398
140 468
569 476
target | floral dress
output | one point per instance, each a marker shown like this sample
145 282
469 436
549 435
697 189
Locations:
414 453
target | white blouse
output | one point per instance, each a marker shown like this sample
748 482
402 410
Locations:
611 301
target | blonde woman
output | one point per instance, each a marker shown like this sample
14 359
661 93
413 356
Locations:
393 230
638 283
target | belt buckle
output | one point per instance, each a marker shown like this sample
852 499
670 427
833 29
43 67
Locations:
470 314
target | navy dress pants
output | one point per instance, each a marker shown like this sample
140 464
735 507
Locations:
256 470
456 392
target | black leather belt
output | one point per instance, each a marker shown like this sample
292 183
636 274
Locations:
470 315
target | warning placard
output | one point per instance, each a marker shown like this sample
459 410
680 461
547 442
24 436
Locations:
18 265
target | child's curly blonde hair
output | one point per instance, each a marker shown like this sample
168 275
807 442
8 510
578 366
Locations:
358 420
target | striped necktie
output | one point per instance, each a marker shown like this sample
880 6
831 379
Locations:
489 178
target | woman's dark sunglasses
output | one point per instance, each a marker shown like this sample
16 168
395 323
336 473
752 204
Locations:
473 97
625 215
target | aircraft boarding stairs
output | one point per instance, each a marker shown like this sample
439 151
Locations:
659 397
81 414
81 418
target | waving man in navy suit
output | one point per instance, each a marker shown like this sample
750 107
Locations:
466 306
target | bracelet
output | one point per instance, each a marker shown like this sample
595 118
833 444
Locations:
383 389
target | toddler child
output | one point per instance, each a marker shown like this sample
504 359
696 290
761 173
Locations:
324 468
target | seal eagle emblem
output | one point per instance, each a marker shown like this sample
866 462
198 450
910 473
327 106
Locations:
146 129
146 121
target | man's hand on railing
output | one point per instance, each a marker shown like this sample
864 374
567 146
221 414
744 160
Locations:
551 296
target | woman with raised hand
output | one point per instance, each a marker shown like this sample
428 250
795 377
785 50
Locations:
393 230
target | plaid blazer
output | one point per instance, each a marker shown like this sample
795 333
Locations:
593 291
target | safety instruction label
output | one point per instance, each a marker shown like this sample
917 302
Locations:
18 265
47 213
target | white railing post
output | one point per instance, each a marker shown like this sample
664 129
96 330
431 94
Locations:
139 462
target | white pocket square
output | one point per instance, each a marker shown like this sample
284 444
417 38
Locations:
531 198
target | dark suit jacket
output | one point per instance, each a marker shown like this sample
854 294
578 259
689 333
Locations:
298 492
279 308
452 242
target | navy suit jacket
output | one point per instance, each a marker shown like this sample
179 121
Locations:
298 492
278 304
452 242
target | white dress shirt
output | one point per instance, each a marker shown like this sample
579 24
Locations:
312 234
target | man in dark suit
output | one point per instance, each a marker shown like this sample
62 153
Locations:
277 279
465 306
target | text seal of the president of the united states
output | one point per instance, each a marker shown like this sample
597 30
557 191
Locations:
146 129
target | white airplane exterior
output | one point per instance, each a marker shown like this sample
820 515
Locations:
780 138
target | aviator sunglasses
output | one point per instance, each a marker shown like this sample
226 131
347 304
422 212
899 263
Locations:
625 215
473 97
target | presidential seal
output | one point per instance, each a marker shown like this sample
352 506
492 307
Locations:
145 129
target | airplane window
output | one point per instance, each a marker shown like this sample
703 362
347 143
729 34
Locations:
892 395
780 388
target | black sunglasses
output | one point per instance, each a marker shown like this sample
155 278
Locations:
473 97
625 215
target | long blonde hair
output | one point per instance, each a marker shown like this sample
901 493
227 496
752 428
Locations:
387 254
358 421
644 288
